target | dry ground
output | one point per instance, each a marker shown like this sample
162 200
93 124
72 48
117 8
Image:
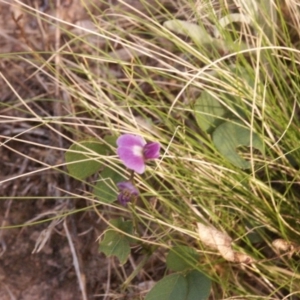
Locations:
26 188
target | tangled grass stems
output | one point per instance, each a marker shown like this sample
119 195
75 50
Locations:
143 79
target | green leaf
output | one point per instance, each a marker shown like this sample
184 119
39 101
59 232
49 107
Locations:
125 226
171 287
209 112
115 243
199 286
181 258
111 140
229 136
105 189
229 19
245 78
85 162
199 35
208 108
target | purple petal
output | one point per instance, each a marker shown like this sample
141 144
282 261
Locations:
151 150
130 151
128 192
127 186
131 160
130 140
123 200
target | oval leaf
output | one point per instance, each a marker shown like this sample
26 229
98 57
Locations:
231 18
209 112
115 243
171 287
111 141
229 136
125 226
82 159
199 286
199 35
181 258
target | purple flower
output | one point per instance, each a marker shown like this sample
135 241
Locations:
128 192
134 151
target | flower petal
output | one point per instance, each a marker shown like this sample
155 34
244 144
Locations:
151 150
130 151
131 160
128 192
130 140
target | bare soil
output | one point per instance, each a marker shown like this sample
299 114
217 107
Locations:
30 192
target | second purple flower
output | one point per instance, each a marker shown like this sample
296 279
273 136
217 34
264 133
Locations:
127 192
134 151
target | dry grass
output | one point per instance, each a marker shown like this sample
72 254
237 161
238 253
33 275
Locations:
68 70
